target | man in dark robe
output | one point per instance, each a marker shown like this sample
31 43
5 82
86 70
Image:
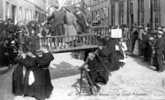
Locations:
104 60
97 70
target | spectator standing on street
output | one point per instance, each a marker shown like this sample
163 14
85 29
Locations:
135 43
160 46
145 45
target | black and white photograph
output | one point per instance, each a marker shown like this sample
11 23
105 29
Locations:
82 49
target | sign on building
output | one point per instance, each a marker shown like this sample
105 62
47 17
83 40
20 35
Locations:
116 33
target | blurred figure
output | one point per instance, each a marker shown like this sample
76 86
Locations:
160 47
145 45
81 21
70 27
56 24
135 43
56 20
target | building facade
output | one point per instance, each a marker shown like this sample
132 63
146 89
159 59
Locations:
99 10
129 12
110 12
23 10
148 12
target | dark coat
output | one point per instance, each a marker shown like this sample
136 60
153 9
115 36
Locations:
81 22
42 85
99 67
20 83
18 80
160 45
4 61
109 52
159 53
97 72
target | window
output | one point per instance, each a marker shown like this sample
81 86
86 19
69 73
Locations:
13 12
113 14
20 14
7 10
121 12
156 9
140 12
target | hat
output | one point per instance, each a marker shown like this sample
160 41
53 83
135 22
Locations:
160 32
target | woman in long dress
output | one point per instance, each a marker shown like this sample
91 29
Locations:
136 48
70 26
37 85
29 62
42 85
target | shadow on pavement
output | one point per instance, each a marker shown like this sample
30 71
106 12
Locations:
6 84
141 62
63 70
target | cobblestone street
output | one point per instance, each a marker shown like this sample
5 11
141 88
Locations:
135 81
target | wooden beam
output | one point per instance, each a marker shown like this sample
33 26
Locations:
74 49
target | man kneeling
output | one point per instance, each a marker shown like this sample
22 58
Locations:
96 71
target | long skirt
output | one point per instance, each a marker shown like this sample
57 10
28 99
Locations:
70 31
42 85
18 81
136 48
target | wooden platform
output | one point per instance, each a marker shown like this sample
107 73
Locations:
74 49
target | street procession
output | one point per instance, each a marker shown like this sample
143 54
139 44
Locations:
82 50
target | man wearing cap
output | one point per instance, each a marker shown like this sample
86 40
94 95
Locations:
159 46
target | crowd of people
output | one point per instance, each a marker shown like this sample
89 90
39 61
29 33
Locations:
149 44
9 42
19 44
20 50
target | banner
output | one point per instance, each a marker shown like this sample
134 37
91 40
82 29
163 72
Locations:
116 33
